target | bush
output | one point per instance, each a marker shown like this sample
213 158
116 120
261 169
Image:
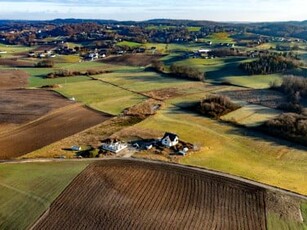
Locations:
217 106
187 72
45 64
290 126
157 66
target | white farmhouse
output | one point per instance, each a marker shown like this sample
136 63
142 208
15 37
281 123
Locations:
170 139
114 147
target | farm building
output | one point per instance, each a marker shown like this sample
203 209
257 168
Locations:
114 147
170 139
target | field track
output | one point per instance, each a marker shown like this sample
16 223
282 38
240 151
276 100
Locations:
52 127
129 194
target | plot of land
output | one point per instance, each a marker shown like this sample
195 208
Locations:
14 62
101 96
143 81
18 106
132 59
47 129
13 79
268 98
251 115
125 194
27 189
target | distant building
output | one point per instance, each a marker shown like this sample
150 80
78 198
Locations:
76 148
170 139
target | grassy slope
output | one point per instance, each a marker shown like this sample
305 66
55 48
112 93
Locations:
129 44
27 189
143 81
251 115
227 70
101 96
232 150
275 222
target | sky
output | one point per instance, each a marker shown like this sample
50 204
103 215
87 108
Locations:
215 10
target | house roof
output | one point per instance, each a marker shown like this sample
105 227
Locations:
171 136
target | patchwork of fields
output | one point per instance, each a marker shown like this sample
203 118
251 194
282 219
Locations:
130 194
234 150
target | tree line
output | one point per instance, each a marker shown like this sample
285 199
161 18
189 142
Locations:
269 64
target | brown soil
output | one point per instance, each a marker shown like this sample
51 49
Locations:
18 106
144 109
132 59
163 94
265 97
52 127
14 62
13 79
126 194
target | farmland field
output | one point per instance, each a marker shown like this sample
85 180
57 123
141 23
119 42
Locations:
13 79
47 129
251 115
142 81
27 189
101 96
234 150
125 194
19 106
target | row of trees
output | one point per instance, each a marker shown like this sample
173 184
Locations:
270 64
70 73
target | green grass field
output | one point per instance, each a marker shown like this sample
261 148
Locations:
226 70
221 37
275 222
101 96
37 77
129 44
27 189
141 81
251 115
14 49
194 28
233 150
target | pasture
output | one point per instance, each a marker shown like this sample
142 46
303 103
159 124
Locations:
129 44
226 70
130 194
27 189
142 81
234 150
101 96
220 37
251 115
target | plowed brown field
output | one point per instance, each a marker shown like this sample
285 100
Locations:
52 127
129 194
13 79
